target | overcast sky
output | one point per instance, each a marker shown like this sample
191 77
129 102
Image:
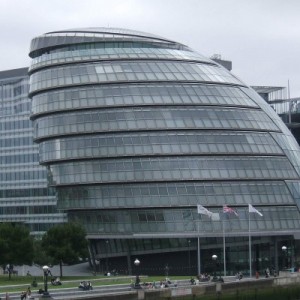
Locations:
260 37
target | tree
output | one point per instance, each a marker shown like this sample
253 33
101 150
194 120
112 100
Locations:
16 246
65 243
40 256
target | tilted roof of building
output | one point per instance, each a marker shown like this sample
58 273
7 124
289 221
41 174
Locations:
93 34
20 72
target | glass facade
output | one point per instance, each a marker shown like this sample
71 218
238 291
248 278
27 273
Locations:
24 193
137 130
152 144
142 94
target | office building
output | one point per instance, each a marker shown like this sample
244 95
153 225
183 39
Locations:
24 194
137 130
286 107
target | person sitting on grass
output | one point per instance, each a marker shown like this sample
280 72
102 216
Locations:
89 285
34 283
55 281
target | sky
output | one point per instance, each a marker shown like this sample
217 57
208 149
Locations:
260 37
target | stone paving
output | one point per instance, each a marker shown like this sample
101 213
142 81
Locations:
82 269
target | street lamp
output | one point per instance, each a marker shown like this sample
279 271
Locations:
214 258
189 243
215 278
106 252
137 278
284 250
46 273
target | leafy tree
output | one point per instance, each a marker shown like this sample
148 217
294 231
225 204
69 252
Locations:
65 243
16 246
40 256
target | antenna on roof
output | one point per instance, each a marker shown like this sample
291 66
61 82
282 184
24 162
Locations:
290 103
216 56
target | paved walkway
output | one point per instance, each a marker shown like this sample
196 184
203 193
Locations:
82 269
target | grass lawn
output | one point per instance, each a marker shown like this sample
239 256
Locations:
20 283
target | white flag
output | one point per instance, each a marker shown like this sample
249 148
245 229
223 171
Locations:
202 210
215 216
252 209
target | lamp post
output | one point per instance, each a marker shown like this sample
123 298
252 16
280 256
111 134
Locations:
284 250
215 278
189 243
137 278
214 258
46 273
106 252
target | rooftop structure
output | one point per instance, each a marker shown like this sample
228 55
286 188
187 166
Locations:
287 108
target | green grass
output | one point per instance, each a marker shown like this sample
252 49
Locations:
20 283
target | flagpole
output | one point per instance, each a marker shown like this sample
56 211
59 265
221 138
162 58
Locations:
224 247
250 258
251 209
199 262
202 210
226 209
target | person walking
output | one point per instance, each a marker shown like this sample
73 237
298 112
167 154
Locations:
28 293
23 295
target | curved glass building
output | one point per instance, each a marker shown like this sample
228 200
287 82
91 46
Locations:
137 130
